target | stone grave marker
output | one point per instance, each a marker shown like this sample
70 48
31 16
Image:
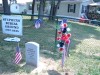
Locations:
32 53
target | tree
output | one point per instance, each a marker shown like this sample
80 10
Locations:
33 5
6 7
42 3
41 9
54 8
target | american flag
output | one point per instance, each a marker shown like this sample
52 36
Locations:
37 24
18 55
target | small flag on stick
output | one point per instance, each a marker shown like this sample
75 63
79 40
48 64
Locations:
37 24
18 55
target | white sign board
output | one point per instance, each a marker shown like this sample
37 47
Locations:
12 24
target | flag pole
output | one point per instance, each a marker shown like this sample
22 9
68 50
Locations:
18 44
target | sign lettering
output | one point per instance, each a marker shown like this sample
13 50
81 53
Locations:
12 25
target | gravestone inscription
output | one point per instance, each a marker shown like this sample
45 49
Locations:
32 53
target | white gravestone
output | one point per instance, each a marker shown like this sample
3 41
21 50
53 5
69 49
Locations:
32 53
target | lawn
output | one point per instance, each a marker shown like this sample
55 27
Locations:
84 56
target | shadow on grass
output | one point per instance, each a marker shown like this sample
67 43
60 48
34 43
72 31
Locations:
6 61
53 72
82 32
50 54
28 68
85 64
84 56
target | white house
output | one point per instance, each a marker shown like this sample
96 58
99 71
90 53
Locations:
18 8
71 8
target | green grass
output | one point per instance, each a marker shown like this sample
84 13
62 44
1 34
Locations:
84 46
85 43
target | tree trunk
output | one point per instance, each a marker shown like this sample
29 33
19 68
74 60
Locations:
44 4
53 10
56 7
6 7
33 5
41 10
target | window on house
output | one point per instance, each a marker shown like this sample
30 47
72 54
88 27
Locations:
83 9
71 8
